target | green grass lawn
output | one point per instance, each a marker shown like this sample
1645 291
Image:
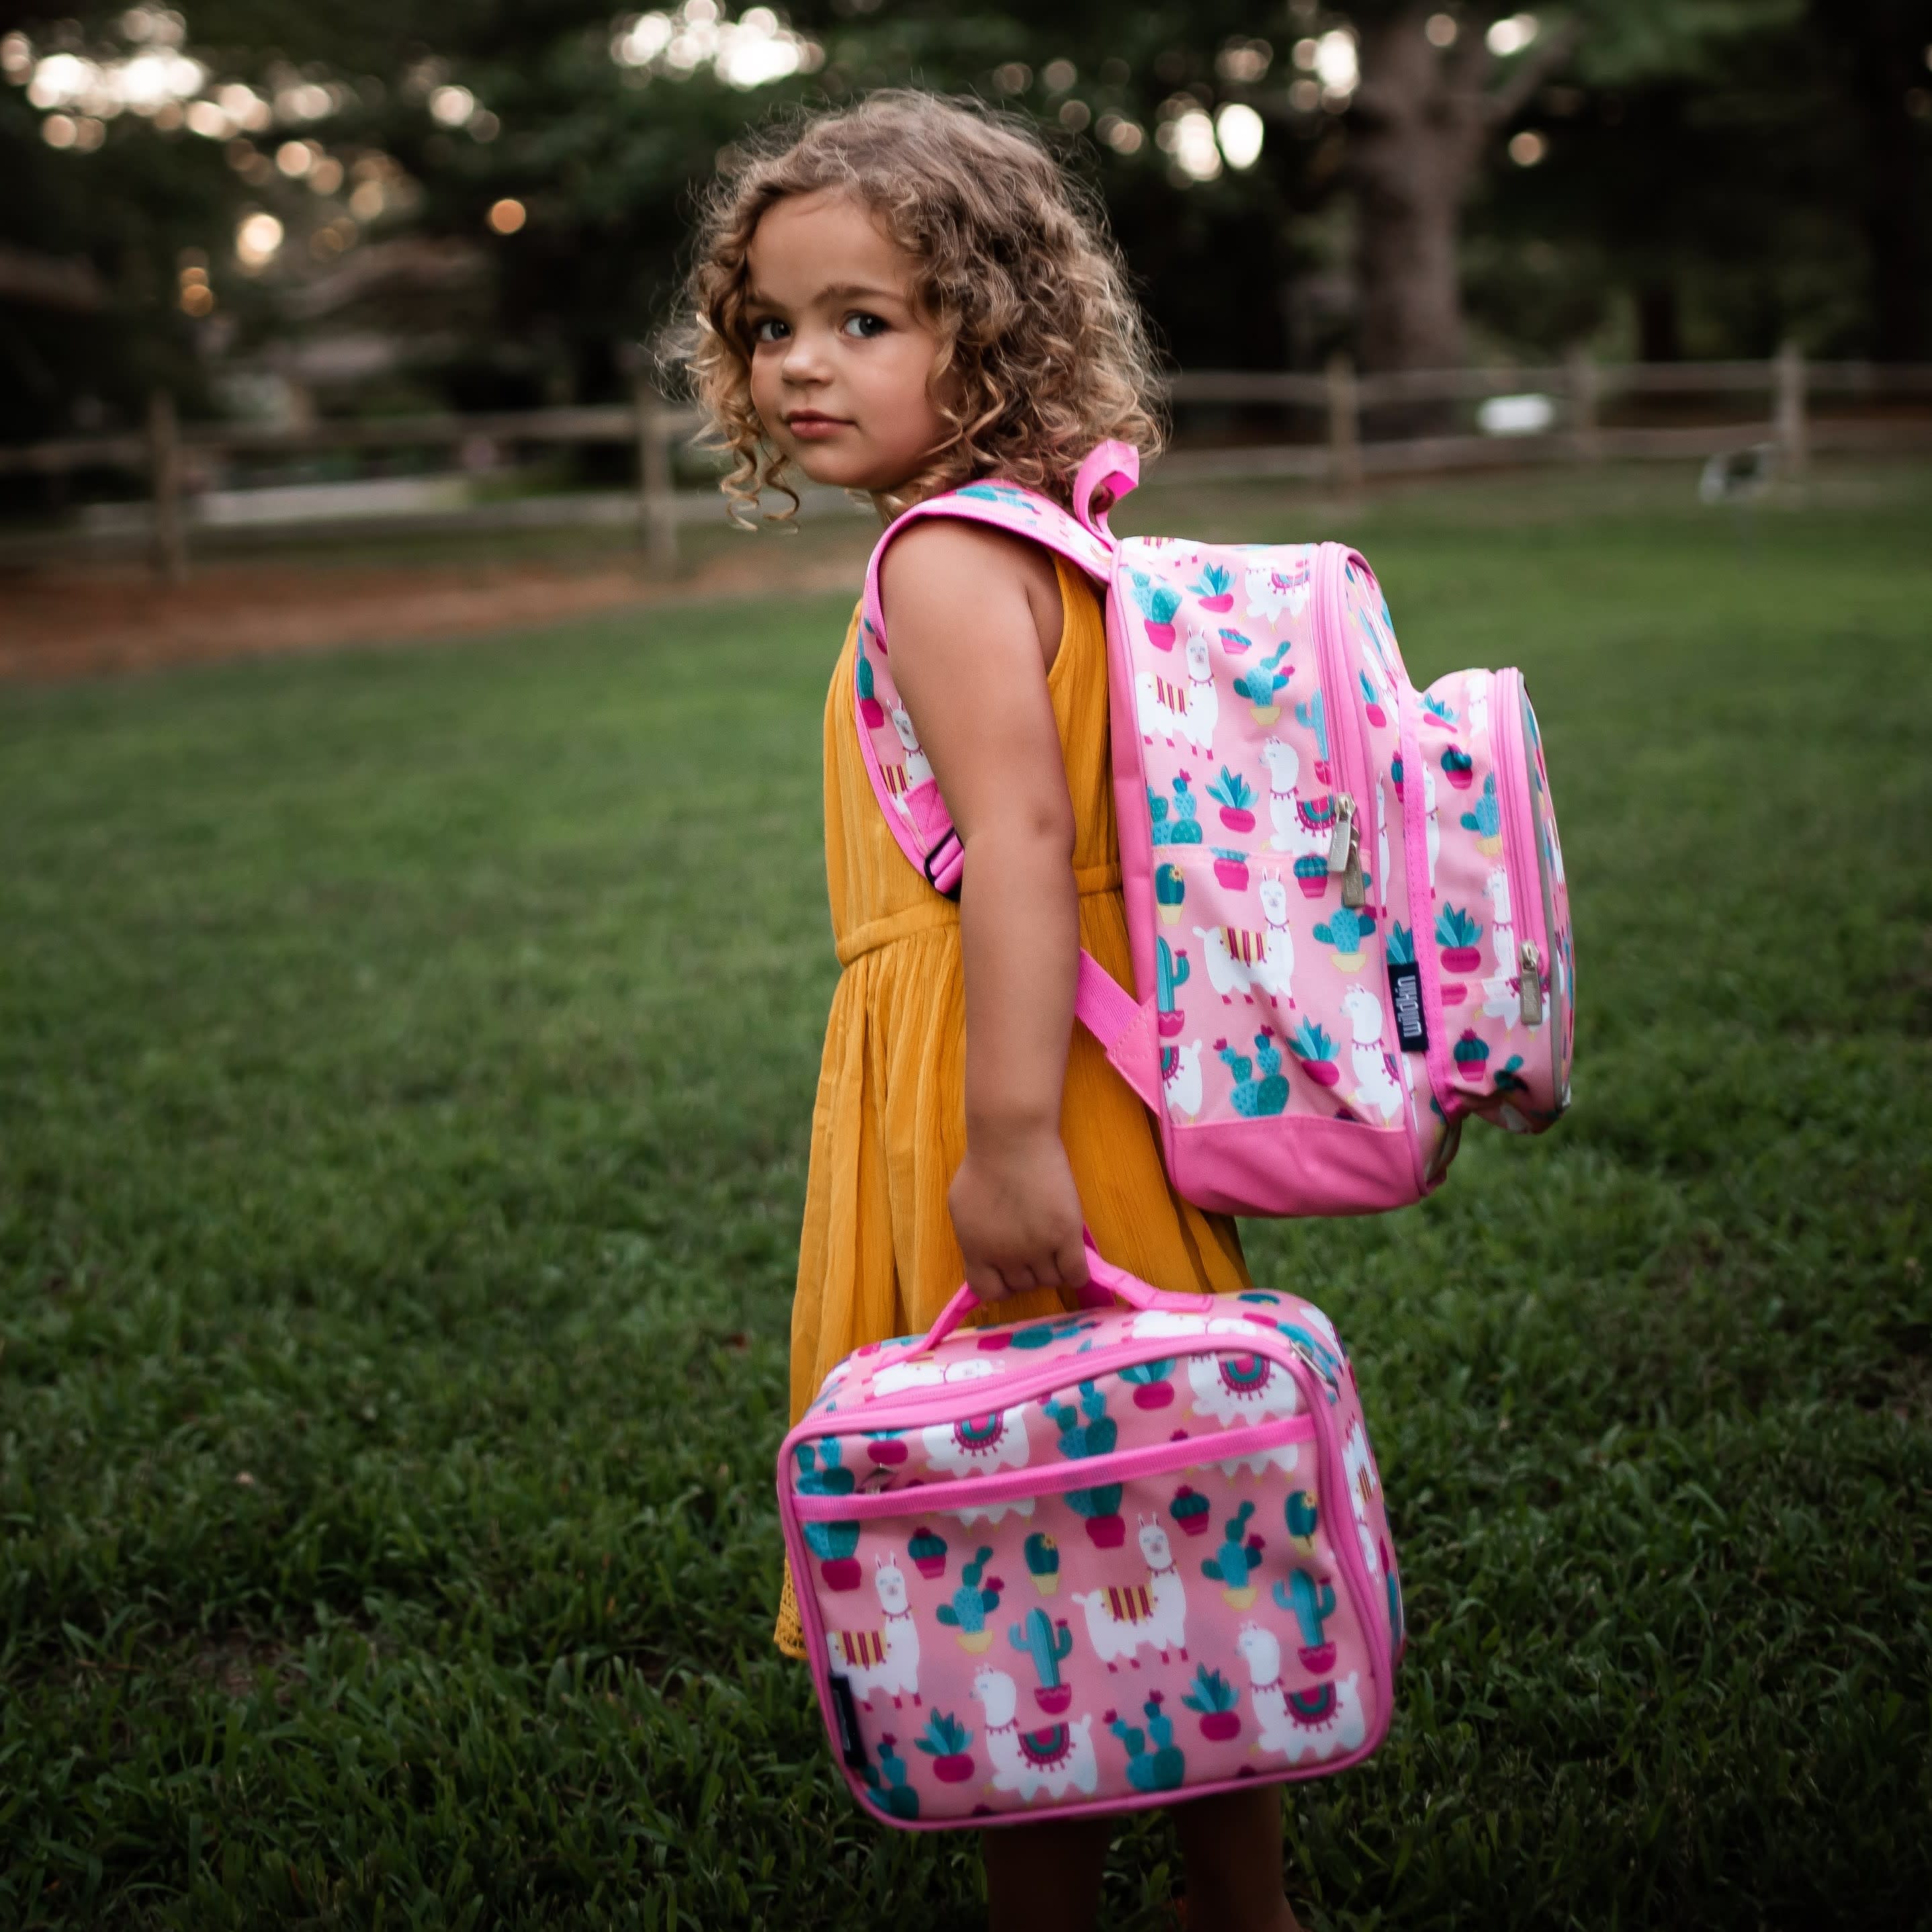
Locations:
406 1066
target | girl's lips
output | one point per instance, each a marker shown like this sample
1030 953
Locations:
813 427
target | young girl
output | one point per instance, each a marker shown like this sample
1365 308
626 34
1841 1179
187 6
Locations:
900 298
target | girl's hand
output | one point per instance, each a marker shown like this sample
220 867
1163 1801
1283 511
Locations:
1016 1212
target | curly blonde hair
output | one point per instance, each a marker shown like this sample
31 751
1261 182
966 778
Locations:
1047 348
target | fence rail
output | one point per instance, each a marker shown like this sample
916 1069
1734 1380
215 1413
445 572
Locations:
1345 454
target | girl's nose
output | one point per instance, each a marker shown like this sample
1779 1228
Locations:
804 359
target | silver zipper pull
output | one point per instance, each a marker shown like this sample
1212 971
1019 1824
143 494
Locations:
1531 970
1342 840
1354 887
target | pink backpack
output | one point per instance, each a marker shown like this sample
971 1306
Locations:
1094 1561
1345 897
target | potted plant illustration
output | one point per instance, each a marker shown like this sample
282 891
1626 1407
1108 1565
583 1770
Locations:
870 709
1230 868
1215 587
821 1473
1311 875
1485 819
1170 969
1401 945
945 1742
1315 1049
1049 1645
1303 1519
1261 685
1395 776
1372 709
1460 935
967 1612
927 1549
1151 1383
1189 1509
1079 1439
1472 1056
887 1446
1458 767
1170 891
1346 928
1218 1703
1042 1562
1173 824
886 1786
1311 1604
1235 1562
1436 712
1159 603
1236 798
1234 644
1255 1098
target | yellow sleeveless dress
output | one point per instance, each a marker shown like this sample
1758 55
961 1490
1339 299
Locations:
878 1257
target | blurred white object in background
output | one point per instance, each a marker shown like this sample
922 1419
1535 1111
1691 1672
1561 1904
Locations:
1516 415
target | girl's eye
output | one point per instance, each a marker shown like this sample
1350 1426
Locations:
769 328
864 325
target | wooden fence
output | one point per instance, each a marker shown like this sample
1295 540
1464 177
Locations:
1343 406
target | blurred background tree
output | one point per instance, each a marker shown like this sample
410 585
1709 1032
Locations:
274 207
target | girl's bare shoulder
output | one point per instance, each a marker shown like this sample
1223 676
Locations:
943 569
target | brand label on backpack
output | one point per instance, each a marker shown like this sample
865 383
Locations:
1406 995
851 1745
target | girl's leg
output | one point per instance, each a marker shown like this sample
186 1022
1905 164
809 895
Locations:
1046 1876
1231 1844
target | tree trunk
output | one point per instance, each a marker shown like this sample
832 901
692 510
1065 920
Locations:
1884 46
1414 134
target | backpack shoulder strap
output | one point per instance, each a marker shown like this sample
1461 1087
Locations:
901 775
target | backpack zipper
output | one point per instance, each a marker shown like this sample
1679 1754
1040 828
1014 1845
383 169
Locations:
1525 856
1338 707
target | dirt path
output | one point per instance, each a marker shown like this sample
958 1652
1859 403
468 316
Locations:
73 623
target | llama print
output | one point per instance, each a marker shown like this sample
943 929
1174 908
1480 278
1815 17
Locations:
1233 1390
1295 830
1180 1080
886 1659
1240 959
1378 1084
1272 590
1058 1759
1502 991
918 768
1358 1469
1190 710
1123 1617
1432 826
903 1375
979 1444
1318 1723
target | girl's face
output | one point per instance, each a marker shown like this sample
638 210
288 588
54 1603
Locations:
841 360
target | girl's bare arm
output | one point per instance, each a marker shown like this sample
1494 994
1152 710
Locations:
974 620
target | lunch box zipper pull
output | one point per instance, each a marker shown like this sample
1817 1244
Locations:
1531 969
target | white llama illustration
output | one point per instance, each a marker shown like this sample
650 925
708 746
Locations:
1377 1084
1181 1084
1124 1616
1321 1722
886 1659
1060 1757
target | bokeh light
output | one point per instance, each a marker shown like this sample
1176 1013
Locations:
1512 34
507 216
1528 149
257 238
1240 131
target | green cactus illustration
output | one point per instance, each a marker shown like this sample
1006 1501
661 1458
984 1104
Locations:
1159 601
967 1612
1312 1041
1442 713
1260 683
1302 1517
887 1784
1456 928
1346 928
1311 717
1254 1099
1508 1077
1214 581
1485 818
1311 1603
1144 1374
821 1474
1212 1693
1048 1644
1160 1769
1078 1440
1232 1564
1470 1053
1042 1560
1401 945
1455 760
1170 884
1170 972
1185 831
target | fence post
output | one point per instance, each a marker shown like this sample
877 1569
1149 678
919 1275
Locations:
657 512
1580 374
1345 425
167 548
1793 441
